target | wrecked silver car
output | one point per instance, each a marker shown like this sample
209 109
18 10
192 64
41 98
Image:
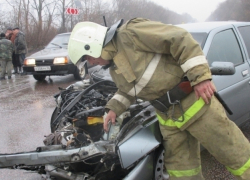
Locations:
78 148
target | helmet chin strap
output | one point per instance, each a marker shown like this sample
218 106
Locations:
111 32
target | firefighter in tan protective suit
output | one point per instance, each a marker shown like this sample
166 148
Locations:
147 59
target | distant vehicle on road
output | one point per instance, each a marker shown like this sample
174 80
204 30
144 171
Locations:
54 60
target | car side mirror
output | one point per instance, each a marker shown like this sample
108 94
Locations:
222 68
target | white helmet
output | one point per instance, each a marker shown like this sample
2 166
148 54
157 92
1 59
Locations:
86 39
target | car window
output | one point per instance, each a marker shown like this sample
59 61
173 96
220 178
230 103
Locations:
199 37
59 41
245 33
225 48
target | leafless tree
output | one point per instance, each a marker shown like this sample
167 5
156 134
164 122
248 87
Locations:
41 20
232 10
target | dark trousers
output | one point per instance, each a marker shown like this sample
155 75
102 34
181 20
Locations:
15 60
18 59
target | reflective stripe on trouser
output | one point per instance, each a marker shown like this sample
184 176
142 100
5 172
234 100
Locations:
187 159
219 135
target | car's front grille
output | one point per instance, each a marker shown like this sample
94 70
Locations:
43 62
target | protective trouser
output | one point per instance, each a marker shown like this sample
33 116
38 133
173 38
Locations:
6 65
219 135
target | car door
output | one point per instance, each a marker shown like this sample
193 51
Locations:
224 45
244 30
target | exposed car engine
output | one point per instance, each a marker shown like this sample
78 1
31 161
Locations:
77 122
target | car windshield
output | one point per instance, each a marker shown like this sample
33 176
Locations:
200 37
59 41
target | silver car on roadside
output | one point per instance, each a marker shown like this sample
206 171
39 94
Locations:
228 41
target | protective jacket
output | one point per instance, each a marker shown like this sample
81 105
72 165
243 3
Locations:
6 49
150 58
20 43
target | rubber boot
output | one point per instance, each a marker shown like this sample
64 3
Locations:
19 71
22 73
15 70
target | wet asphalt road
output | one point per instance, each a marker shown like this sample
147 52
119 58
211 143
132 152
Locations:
26 106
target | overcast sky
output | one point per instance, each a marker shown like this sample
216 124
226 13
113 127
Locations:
198 9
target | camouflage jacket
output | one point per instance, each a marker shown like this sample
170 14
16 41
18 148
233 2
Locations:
6 49
20 45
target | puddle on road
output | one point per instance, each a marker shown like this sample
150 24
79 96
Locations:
24 84
25 91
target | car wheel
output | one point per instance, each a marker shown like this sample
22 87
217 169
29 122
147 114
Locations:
160 172
39 77
81 71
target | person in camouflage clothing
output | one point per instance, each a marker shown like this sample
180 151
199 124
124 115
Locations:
20 47
6 50
10 36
